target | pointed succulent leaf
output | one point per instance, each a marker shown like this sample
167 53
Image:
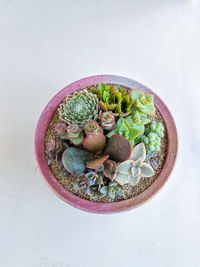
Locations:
138 151
135 171
122 178
146 170
94 142
135 94
119 148
125 166
74 159
99 180
134 180
96 163
138 163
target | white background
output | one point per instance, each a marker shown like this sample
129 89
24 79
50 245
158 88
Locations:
45 45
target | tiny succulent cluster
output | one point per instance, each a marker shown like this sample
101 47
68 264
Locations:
107 139
153 135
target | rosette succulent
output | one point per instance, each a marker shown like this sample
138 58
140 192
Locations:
92 127
108 120
61 129
112 190
131 170
79 108
75 134
54 147
143 102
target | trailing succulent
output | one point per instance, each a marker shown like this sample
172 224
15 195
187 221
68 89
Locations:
103 137
79 108
113 98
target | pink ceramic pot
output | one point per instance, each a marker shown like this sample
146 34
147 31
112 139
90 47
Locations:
98 207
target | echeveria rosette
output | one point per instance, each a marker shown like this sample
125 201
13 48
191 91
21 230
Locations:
75 134
108 120
92 127
113 98
61 129
143 102
79 108
131 170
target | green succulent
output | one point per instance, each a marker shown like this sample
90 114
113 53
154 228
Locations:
79 108
75 134
142 102
112 190
131 170
113 98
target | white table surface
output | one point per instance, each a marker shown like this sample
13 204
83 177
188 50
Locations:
45 45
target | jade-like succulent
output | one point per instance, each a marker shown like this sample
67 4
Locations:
75 134
92 127
112 190
114 98
79 108
61 129
108 120
143 102
131 170
94 142
91 183
119 148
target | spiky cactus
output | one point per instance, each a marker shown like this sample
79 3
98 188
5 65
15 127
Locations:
79 108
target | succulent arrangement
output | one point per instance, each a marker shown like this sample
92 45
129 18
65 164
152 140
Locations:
107 137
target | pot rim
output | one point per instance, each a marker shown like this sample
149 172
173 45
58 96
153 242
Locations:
104 207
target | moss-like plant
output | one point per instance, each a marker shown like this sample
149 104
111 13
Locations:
113 98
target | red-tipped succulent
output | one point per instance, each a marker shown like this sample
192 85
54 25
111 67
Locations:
108 120
75 134
96 163
61 129
92 127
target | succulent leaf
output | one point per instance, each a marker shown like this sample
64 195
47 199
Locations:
135 171
110 170
92 127
75 134
74 160
146 170
96 163
60 129
94 142
122 178
134 180
125 166
104 190
118 148
138 151
108 120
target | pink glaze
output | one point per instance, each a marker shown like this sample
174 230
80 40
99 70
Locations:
98 207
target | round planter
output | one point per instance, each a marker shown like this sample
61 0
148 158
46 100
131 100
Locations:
100 207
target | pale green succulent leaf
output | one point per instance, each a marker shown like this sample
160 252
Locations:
122 178
146 170
138 163
138 151
125 166
134 180
135 171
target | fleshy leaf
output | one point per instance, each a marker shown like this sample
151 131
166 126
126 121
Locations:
146 170
122 178
119 148
134 180
74 159
138 163
135 171
138 151
94 142
104 190
110 170
96 163
125 166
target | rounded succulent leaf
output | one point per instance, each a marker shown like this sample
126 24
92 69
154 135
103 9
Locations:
96 163
94 142
134 180
135 171
125 166
104 190
122 178
146 170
